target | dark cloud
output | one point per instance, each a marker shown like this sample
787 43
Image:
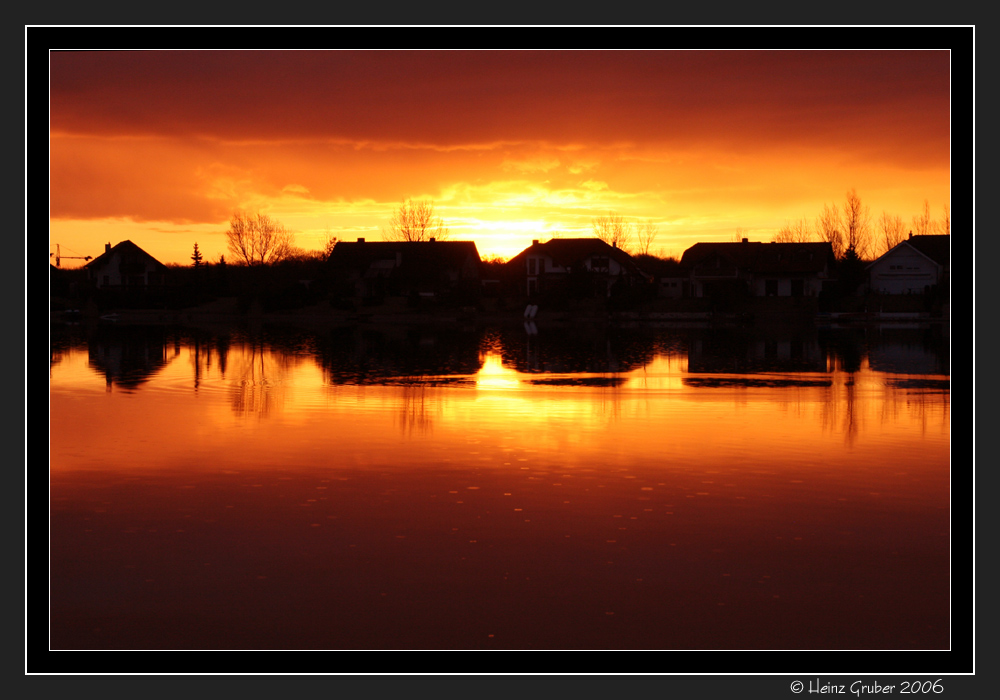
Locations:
453 97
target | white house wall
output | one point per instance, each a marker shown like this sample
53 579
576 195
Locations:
902 270
109 274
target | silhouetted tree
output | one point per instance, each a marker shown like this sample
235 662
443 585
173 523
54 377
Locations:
415 221
891 232
797 232
850 273
257 239
196 256
857 225
828 226
924 225
493 265
329 244
645 235
614 230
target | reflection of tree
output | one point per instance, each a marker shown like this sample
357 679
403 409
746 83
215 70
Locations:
259 372
851 421
416 410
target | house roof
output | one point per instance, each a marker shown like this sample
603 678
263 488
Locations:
363 253
121 248
937 248
416 259
566 252
764 258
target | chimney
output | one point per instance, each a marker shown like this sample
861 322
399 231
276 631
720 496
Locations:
534 242
107 247
746 240
911 234
433 239
361 240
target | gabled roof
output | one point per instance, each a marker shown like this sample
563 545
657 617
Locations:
764 258
122 248
361 254
416 261
566 252
935 248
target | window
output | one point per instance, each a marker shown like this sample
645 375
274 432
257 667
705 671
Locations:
599 262
532 266
770 288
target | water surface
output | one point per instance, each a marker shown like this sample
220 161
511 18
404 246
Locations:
512 488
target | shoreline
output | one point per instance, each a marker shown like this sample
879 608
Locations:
326 317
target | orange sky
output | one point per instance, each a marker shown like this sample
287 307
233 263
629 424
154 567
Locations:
161 147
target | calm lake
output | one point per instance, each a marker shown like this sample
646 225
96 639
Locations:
502 488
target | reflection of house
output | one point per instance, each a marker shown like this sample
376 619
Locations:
431 268
126 266
759 269
557 263
726 353
914 266
128 357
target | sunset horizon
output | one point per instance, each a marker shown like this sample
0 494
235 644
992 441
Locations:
388 350
163 147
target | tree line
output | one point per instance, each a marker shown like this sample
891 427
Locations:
851 230
256 239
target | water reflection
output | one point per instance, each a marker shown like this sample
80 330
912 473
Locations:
129 357
446 488
358 355
259 369
736 351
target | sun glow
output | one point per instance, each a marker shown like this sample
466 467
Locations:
493 374
503 167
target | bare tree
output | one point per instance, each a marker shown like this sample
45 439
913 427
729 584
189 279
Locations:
257 239
645 235
740 234
891 231
946 222
857 225
614 230
923 225
828 227
797 232
415 221
329 244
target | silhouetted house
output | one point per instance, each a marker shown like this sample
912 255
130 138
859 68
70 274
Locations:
377 269
674 284
916 266
759 269
124 267
562 262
